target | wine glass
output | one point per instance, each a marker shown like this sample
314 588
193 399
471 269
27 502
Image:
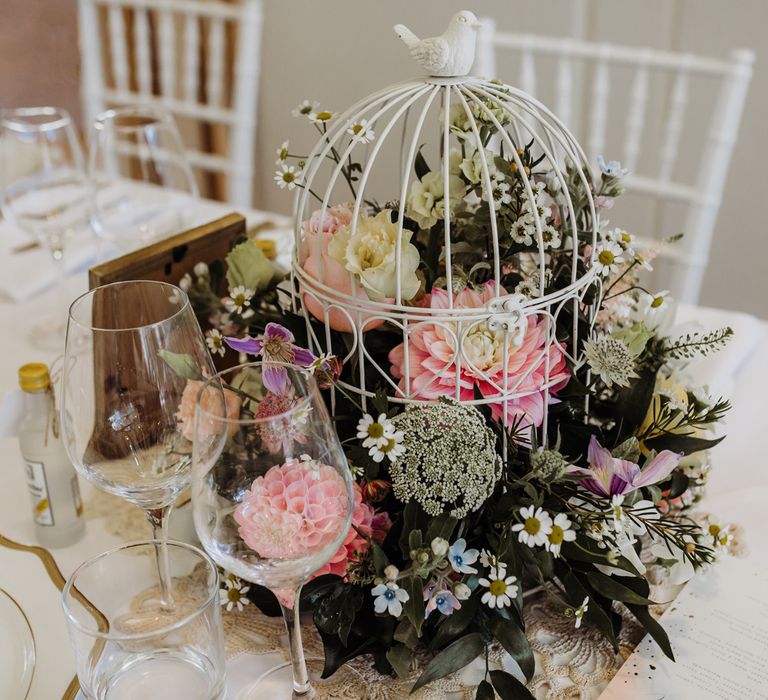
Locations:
134 358
45 190
142 183
271 488
127 645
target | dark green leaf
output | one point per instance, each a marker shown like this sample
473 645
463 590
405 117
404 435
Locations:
414 606
687 444
441 526
611 588
653 628
454 657
455 624
405 634
420 165
400 658
415 540
515 643
380 560
485 691
508 687
595 613
680 482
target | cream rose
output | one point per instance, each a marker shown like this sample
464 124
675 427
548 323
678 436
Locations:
371 254
425 202
473 167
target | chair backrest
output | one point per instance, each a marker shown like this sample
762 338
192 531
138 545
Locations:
638 105
198 59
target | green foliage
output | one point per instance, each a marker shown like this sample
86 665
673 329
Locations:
247 266
454 657
182 364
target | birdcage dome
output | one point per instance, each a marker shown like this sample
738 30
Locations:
454 217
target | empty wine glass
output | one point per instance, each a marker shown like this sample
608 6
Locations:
45 190
134 358
271 488
127 644
142 183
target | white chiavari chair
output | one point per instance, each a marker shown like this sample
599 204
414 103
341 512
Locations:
638 105
198 59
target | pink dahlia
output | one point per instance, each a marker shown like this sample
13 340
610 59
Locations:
293 510
364 520
432 365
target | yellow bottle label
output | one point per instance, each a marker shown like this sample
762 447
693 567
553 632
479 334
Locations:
38 489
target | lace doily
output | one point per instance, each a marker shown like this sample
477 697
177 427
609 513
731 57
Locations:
571 664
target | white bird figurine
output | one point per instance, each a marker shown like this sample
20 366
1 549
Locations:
451 54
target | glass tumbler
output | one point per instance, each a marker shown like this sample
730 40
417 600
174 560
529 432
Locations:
128 644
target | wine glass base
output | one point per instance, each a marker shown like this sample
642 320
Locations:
275 682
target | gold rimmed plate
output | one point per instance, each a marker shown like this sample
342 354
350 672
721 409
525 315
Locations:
20 578
17 649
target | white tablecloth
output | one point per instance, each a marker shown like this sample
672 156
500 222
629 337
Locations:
741 372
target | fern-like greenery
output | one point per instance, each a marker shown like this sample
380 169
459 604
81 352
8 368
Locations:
692 344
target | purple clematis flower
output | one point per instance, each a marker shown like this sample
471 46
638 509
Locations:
610 476
276 345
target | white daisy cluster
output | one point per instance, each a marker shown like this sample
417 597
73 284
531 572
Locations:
538 529
380 437
361 131
239 301
450 462
610 359
523 230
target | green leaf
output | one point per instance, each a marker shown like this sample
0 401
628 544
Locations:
405 634
380 560
415 540
508 687
680 482
595 613
455 624
441 526
400 658
635 337
414 606
515 643
247 266
184 365
611 588
454 657
485 691
653 628
629 449
420 165
687 444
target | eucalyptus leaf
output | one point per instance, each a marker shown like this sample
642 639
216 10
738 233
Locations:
485 691
687 444
453 658
595 613
456 623
508 687
653 628
515 643
182 364
400 658
611 588
680 482
247 266
441 526
414 606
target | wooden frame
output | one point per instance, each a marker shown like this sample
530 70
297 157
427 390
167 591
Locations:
169 260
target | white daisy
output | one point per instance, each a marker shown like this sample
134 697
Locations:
233 595
536 525
361 131
581 611
282 152
322 116
624 238
185 282
392 449
561 532
305 109
501 590
287 176
389 597
550 236
642 262
499 191
375 432
654 304
215 341
617 512
527 288
200 269
608 257
239 298
521 232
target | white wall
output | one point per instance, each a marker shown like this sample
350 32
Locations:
340 50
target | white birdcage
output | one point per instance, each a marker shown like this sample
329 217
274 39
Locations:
404 118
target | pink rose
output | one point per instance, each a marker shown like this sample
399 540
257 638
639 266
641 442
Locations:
333 219
210 406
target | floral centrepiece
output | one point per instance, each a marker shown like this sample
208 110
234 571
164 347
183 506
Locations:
501 444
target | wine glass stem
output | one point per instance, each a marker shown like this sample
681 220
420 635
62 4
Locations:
158 519
302 688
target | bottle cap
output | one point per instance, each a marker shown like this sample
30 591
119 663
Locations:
34 377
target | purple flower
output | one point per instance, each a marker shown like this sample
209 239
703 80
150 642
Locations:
609 476
276 345
441 599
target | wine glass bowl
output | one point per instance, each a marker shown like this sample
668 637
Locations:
123 396
272 491
142 183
